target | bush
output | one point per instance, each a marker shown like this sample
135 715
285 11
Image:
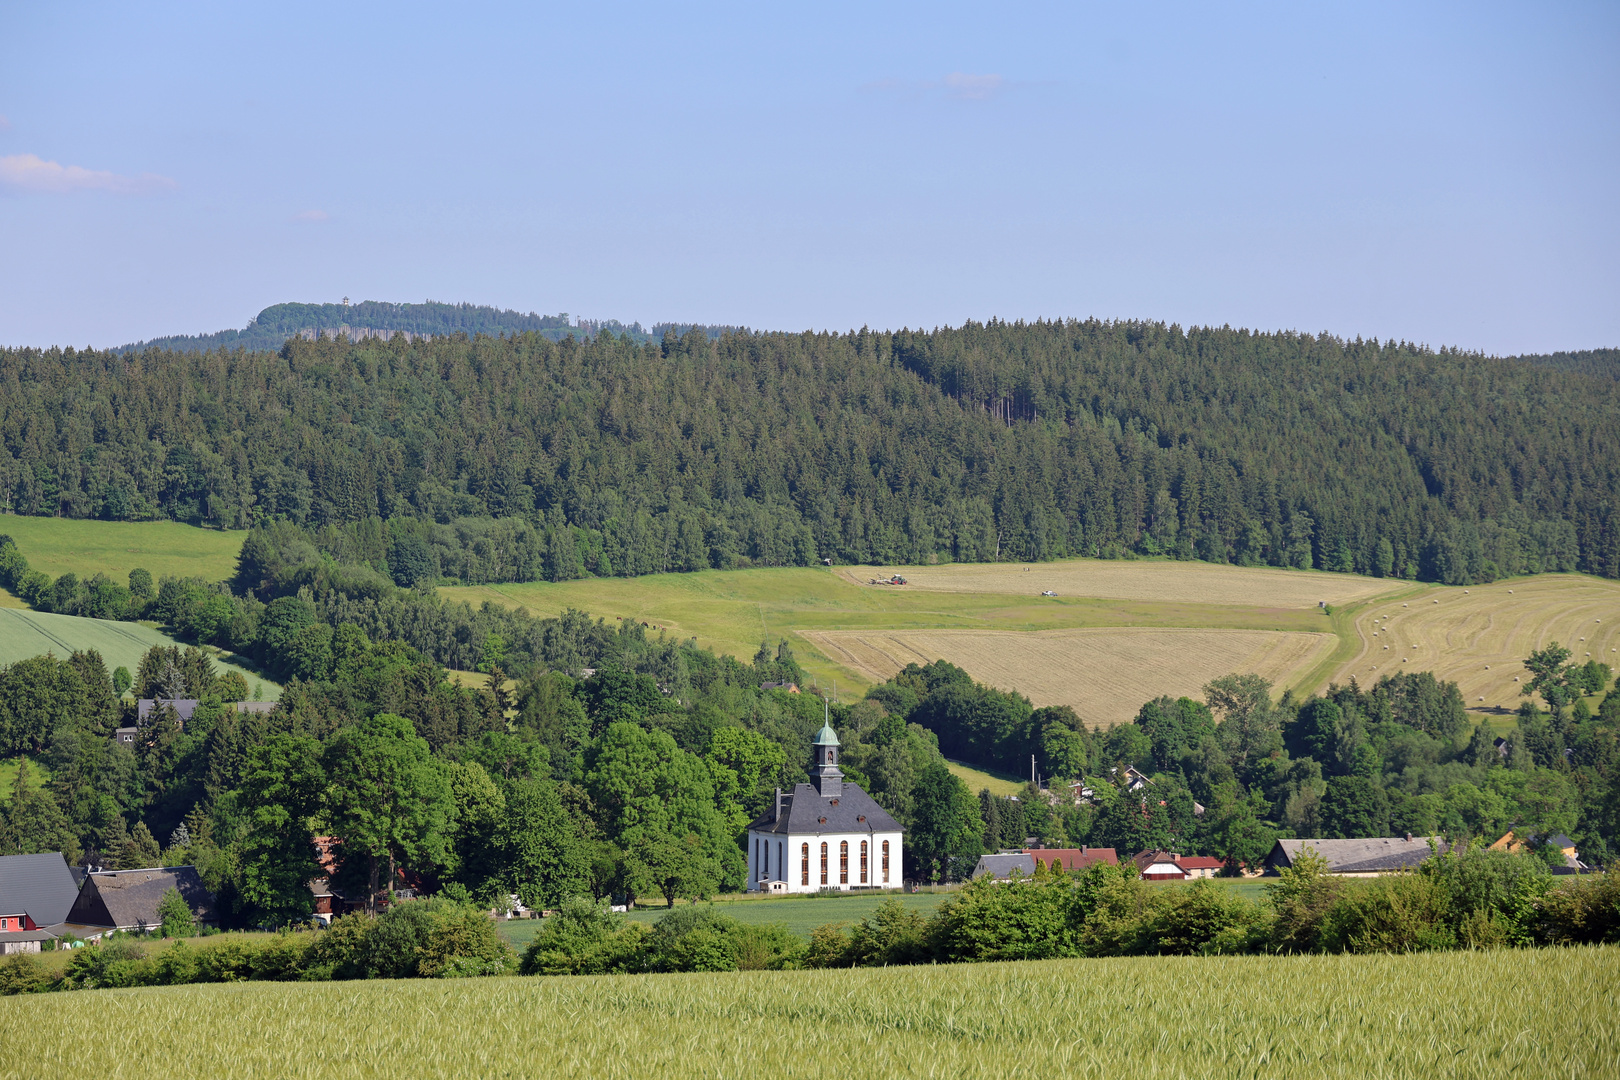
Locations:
1205 919
1402 913
1301 899
1586 911
22 973
586 938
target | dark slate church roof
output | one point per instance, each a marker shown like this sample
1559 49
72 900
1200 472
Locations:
803 810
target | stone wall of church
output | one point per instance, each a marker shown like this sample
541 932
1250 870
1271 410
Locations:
768 852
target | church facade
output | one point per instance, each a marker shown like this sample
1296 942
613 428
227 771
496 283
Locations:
824 835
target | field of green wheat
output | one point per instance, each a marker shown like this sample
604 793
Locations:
1521 1014
26 633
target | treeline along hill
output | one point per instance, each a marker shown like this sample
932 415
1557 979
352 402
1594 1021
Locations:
520 457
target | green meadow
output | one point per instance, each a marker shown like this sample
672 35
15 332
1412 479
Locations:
1524 1013
57 546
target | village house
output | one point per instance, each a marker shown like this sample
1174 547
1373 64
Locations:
36 894
1521 843
824 835
1159 866
1074 858
1359 858
128 899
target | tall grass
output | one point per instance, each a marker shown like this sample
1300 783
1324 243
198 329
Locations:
1519 1013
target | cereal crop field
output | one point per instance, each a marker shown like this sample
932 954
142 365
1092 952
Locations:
1480 635
1104 675
25 633
1522 1013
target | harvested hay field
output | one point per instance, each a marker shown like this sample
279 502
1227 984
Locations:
1479 636
1105 675
1164 581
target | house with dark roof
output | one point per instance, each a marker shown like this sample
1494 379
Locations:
1366 857
827 834
128 899
1159 865
36 894
1003 865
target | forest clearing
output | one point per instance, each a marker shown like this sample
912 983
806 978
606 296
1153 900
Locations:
1415 1015
166 548
1101 673
1478 636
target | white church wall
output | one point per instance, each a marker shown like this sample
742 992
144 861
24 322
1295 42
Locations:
790 853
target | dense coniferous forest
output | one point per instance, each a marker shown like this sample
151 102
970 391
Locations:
1002 441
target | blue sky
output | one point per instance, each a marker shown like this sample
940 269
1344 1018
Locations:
1438 173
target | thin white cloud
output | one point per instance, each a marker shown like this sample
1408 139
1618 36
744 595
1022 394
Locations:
972 87
311 215
28 173
958 84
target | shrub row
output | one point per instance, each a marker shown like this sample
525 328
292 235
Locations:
1471 898
418 939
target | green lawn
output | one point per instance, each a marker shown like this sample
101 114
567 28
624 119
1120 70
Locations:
800 914
26 633
114 548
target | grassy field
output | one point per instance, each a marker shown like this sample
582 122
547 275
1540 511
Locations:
1527 1014
1480 635
978 779
121 644
800 914
114 548
733 610
37 776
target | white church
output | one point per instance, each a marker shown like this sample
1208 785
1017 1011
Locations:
825 835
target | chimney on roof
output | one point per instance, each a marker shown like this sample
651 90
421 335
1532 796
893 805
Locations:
778 816
1408 838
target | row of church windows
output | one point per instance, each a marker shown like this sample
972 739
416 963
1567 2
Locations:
763 848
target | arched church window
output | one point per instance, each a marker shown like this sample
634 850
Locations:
843 862
885 862
863 862
804 864
824 862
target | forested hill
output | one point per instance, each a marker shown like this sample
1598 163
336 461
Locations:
998 441
1601 362
370 318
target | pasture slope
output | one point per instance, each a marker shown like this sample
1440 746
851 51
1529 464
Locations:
58 546
1526 1013
26 633
1478 636
731 611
